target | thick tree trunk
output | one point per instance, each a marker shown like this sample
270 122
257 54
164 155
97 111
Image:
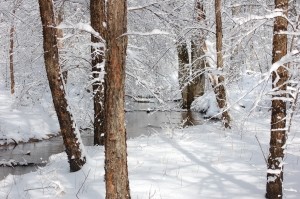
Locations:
116 171
68 128
219 80
278 117
60 34
11 53
98 21
183 72
191 76
197 87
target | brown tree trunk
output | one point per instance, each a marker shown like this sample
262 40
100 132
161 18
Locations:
219 80
116 171
278 117
183 72
197 86
191 77
98 19
11 53
69 131
60 34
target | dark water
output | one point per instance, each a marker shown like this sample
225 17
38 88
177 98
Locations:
138 122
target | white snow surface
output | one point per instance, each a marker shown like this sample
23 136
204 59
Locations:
204 161
22 123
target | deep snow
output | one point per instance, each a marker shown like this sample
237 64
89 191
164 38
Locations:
204 161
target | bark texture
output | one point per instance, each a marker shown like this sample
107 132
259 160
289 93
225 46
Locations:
183 73
98 19
191 76
116 171
219 80
278 117
11 53
67 124
60 34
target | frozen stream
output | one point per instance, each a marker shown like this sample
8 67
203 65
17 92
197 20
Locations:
138 122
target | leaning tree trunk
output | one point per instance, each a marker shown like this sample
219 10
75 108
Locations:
278 117
98 20
69 131
219 80
116 171
59 15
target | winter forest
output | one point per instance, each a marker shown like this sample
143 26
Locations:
149 99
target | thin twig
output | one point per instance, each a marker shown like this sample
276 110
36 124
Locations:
261 150
82 184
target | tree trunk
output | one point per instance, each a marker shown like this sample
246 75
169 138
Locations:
60 34
98 21
116 171
219 80
278 117
69 131
197 86
183 73
191 77
11 53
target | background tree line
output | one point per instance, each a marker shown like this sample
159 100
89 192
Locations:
176 62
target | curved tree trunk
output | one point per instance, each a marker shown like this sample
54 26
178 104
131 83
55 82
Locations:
278 117
69 131
219 80
116 172
98 21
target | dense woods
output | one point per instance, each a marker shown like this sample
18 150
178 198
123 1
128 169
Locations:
87 65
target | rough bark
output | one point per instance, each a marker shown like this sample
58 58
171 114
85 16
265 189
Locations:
191 77
278 117
116 171
11 54
219 80
60 34
67 125
183 72
98 20
198 84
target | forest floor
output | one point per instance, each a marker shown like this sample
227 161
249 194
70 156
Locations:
23 124
204 161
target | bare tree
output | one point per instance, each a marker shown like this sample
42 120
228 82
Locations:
16 3
218 80
191 75
98 22
278 117
59 17
116 170
69 131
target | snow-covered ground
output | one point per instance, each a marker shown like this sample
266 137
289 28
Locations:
20 123
203 161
